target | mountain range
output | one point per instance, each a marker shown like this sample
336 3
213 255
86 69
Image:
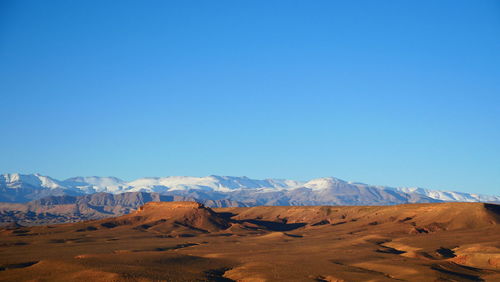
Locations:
21 188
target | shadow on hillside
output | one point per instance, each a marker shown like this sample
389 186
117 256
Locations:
269 225
493 208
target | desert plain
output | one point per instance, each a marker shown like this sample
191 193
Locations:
186 241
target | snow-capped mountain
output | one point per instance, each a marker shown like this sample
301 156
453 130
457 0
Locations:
208 183
450 196
19 188
16 180
321 191
94 184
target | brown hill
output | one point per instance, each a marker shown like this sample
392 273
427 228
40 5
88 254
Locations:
170 217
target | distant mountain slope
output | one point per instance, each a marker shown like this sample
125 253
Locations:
18 188
62 209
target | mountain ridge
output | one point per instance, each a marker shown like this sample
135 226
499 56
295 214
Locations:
18 188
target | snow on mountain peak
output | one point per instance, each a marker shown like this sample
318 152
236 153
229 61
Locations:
213 183
92 184
323 183
36 179
450 196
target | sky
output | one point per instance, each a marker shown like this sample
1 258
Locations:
398 93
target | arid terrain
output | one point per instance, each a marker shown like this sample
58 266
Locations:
186 241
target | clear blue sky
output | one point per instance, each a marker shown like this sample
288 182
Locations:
400 93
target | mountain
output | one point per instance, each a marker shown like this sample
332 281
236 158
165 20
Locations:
19 188
450 196
94 184
176 183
